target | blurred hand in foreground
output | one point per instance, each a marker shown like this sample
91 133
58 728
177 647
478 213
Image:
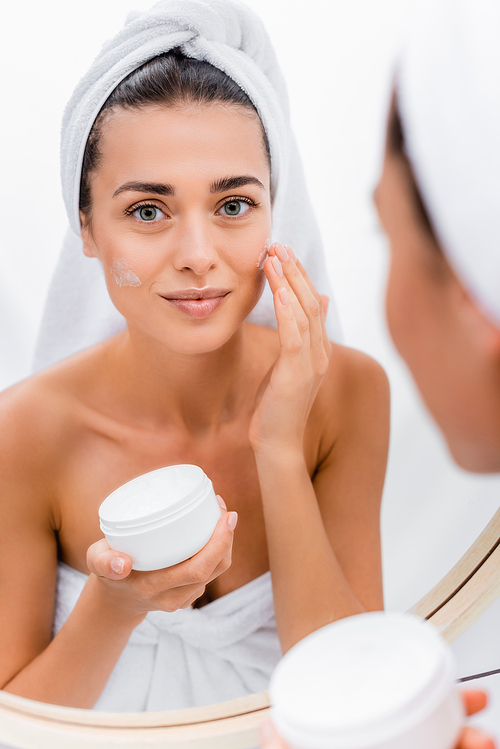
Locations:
471 738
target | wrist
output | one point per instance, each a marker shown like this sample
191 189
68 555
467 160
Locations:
108 602
285 457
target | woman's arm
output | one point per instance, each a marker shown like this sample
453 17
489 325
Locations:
323 535
73 667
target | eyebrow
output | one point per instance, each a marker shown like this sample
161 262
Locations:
159 188
231 183
156 188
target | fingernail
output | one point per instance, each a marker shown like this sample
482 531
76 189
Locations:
117 565
232 520
281 252
221 502
283 295
277 265
291 253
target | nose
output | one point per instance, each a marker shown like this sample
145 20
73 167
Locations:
194 248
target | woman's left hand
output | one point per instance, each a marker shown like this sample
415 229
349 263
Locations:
290 389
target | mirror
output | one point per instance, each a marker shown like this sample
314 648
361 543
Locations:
453 605
352 142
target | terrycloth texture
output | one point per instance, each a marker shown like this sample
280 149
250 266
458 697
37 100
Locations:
448 84
230 36
191 657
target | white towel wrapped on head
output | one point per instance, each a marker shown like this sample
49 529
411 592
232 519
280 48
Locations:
227 34
448 84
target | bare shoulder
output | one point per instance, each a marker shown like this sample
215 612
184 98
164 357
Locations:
354 382
31 420
29 438
38 418
31 431
354 374
24 418
353 402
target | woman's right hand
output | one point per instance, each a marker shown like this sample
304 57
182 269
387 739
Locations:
135 593
471 738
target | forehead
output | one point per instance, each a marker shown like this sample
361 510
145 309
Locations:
180 143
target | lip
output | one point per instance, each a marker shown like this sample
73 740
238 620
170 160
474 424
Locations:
208 292
197 303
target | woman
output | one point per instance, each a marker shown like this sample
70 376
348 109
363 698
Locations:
176 177
438 201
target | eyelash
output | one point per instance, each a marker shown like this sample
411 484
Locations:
143 204
148 204
236 198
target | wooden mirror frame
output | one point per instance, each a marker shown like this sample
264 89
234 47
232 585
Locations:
455 603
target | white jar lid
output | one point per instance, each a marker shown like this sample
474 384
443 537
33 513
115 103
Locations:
360 681
154 495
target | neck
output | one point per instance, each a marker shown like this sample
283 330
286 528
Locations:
194 391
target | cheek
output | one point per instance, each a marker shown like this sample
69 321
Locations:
409 312
128 261
262 257
414 317
248 264
248 256
127 290
260 282
123 274
127 272
254 278
398 302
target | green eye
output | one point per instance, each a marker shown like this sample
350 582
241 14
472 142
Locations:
235 207
148 213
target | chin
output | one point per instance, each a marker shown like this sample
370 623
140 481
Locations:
196 339
199 342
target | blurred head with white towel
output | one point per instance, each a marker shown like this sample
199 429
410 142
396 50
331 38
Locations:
439 201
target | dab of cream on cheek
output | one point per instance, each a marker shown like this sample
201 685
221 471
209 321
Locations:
263 255
123 275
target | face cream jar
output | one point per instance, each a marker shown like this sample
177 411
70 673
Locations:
161 518
372 681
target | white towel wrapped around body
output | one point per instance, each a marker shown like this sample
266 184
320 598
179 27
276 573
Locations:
228 35
190 657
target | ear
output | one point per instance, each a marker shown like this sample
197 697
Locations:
89 246
484 332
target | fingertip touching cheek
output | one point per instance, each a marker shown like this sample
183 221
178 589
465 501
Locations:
263 255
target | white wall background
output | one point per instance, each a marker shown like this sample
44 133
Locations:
337 56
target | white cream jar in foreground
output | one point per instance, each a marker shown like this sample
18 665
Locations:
372 681
161 518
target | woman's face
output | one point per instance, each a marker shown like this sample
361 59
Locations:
181 214
438 329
